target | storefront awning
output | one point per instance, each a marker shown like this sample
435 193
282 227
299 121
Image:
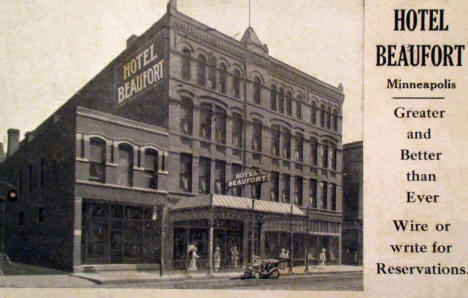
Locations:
241 203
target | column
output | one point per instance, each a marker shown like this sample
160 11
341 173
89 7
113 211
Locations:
245 243
77 232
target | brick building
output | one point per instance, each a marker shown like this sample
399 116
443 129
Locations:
133 168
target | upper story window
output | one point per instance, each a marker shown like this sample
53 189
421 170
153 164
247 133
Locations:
299 152
313 193
236 83
324 195
40 215
298 199
286 142
222 77
275 140
125 166
281 100
257 135
185 68
30 178
220 177
335 118
314 151
299 108
185 176
237 190
97 160
204 175
186 116
333 196
21 218
257 90
322 116
333 157
313 112
274 194
289 103
201 70
220 127
329 118
237 130
212 73
205 121
151 168
286 189
324 156
273 97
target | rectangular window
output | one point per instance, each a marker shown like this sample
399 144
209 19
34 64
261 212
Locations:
325 156
314 152
97 160
289 105
125 166
186 116
286 189
257 136
40 215
151 168
273 98
220 177
299 154
237 130
205 122
204 175
220 127
333 158
275 140
286 144
298 110
257 191
298 191
313 193
333 196
324 195
21 219
274 195
236 168
185 181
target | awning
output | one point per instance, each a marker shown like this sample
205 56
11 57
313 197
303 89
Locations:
240 203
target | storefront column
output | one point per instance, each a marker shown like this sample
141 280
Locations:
210 239
291 242
262 241
77 233
307 241
339 244
162 265
245 243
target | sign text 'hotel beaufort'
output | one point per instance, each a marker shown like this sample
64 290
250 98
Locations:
248 177
139 73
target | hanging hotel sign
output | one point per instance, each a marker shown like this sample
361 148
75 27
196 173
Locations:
248 177
139 73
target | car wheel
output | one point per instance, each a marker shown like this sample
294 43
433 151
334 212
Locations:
275 274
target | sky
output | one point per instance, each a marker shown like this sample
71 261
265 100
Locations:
50 49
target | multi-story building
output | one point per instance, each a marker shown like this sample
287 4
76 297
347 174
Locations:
352 203
133 168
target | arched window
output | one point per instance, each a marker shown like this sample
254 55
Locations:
205 121
286 142
289 103
328 118
335 122
220 125
237 130
314 146
298 192
125 165
281 100
212 72
325 156
201 70
257 90
204 169
324 204
274 192
151 168
236 83
186 116
97 160
286 195
333 156
257 135
273 97
322 116
222 77
220 177
313 112
313 193
186 64
299 108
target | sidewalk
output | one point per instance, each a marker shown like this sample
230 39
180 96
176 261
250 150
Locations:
117 277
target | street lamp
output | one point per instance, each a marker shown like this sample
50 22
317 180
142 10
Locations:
11 196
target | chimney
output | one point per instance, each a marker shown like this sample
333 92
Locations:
29 136
13 141
131 40
2 153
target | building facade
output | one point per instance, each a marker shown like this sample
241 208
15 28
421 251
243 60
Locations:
353 203
134 167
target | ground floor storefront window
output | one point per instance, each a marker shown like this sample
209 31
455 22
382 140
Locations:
114 233
227 234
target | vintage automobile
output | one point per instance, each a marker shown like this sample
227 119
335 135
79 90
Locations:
261 268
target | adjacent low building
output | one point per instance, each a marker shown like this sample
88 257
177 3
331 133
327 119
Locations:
134 167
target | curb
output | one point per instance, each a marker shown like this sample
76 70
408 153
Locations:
197 278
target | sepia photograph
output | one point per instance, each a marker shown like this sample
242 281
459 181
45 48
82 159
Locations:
181 144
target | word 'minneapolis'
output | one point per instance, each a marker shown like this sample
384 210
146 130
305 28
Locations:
420 54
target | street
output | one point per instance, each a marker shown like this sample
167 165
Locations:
341 281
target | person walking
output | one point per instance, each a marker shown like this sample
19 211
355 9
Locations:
234 256
192 250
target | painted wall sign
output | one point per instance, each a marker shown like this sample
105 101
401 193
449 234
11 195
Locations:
139 73
248 177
